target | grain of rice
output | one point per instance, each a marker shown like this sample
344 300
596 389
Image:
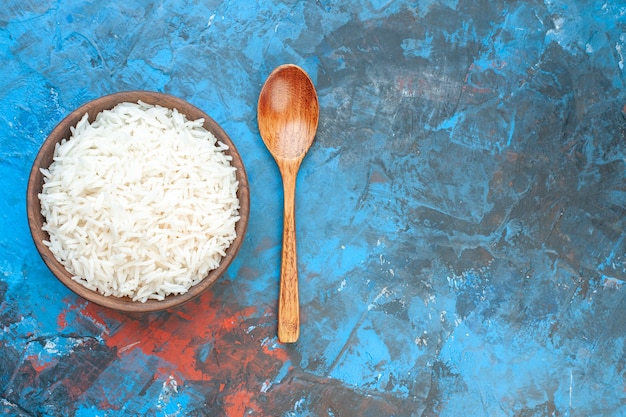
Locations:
141 203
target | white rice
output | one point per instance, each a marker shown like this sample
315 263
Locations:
140 203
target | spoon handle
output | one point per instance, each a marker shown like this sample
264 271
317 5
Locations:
288 302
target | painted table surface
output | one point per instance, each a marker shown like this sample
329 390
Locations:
460 214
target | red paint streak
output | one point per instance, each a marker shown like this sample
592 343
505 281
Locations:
75 388
153 338
240 402
178 337
175 339
278 353
61 320
183 315
89 311
105 404
207 339
169 372
37 365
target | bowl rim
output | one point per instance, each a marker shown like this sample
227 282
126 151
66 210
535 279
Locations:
44 158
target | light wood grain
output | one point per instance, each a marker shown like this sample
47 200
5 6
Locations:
288 113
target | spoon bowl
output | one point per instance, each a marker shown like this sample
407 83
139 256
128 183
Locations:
288 114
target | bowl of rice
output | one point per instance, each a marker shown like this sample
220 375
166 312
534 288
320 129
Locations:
138 201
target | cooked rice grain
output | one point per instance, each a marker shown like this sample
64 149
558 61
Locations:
141 203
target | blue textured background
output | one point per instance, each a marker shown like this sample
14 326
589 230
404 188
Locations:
460 214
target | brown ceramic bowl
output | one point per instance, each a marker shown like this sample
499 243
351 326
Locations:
44 159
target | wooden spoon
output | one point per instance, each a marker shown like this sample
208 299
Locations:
288 113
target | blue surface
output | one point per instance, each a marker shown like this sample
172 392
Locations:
460 214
